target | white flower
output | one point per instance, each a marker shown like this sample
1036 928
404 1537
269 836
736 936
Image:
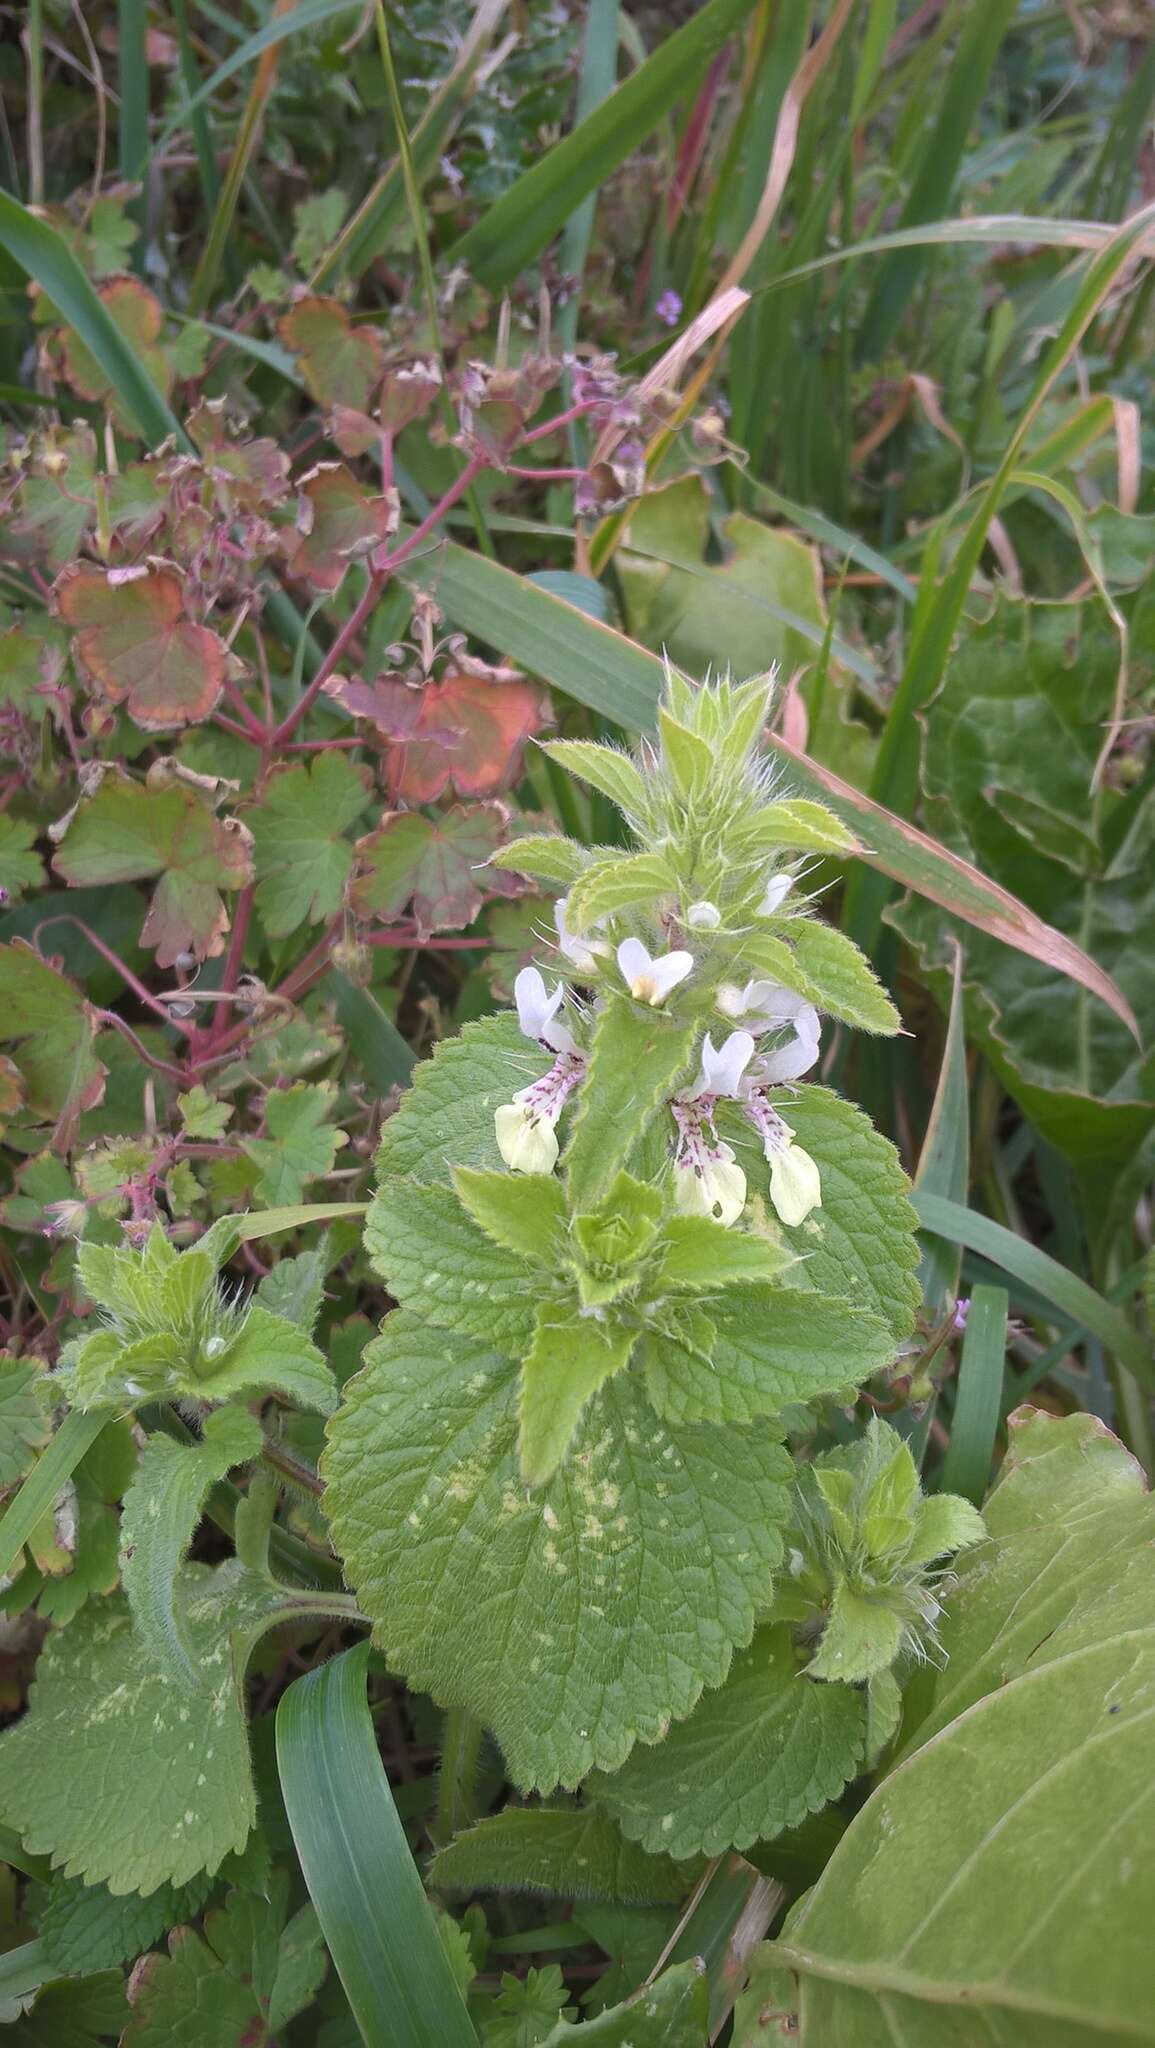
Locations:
527 1143
536 1011
795 1183
721 1070
760 1003
581 953
703 917
777 889
650 981
715 1186
789 1062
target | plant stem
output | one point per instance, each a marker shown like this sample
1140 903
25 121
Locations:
457 1783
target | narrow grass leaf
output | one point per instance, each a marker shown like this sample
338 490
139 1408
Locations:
358 1865
967 1466
944 1162
76 1435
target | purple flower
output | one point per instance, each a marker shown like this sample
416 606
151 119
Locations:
962 1310
669 308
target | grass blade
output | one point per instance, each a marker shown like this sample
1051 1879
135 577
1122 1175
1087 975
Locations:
967 1465
525 219
944 1163
358 1866
1065 1291
595 84
44 255
311 14
76 1435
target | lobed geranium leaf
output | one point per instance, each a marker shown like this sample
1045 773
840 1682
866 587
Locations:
436 1261
568 1853
129 832
140 317
861 1243
137 646
625 1584
202 1115
338 522
161 1510
341 364
239 1985
74 2012
115 1774
468 730
433 867
45 1016
20 868
301 1145
446 1118
302 861
768 1349
755 1757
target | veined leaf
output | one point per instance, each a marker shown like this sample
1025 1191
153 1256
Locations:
576 1853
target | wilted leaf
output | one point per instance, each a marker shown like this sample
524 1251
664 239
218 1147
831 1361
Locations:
128 832
137 646
432 866
337 523
341 364
45 1016
468 730
302 861
140 317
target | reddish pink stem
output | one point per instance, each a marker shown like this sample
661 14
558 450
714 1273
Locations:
234 959
114 960
559 420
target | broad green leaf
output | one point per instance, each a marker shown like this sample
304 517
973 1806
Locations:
861 1243
203 1116
1029 1760
302 861
236 1987
606 769
115 1774
161 1510
847 984
512 233
570 1357
295 1288
636 1062
302 1145
436 1261
765 1349
861 1639
130 832
566 1854
75 2012
273 1355
433 867
46 1018
671 2013
755 1757
25 1416
703 1256
626 1583
618 882
525 1213
446 1118
86 1927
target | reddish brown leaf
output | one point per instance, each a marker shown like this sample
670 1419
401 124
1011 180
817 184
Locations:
337 522
136 645
467 730
432 866
140 317
341 364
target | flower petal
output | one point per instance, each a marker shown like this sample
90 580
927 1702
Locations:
527 1144
795 1184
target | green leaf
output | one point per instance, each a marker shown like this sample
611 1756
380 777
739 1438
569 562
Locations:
248 1977
862 1638
702 1255
635 1572
46 1017
86 1927
567 1854
446 1118
618 882
606 769
295 1288
861 1243
162 1508
944 1523
512 233
50 1474
525 1213
635 1064
755 1757
978 1401
129 832
302 861
803 827
545 855
1050 1650
273 1355
436 1261
20 868
79 2012
359 1867
116 1775
98 1483
25 1416
570 1357
526 2009
765 1349
847 984
434 867
301 1145
672 2013
201 1115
